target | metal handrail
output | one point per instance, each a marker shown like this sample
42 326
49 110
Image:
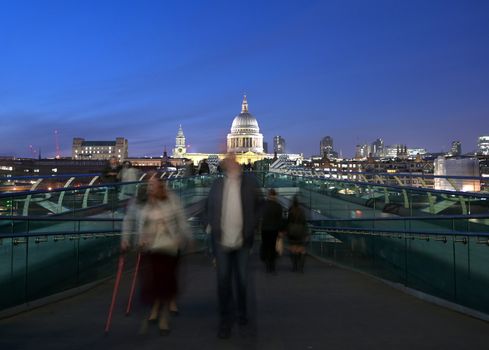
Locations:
369 231
423 176
400 188
53 176
409 218
54 218
79 188
60 233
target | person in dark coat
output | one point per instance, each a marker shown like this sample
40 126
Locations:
232 214
297 235
272 224
110 175
111 171
189 169
204 167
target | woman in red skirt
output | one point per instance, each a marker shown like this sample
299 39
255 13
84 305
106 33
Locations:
162 230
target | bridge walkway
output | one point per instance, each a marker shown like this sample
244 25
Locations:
325 308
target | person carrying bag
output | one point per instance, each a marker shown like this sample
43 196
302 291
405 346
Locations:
163 232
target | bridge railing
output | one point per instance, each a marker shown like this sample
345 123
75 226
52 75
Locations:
46 252
355 199
72 198
66 254
405 179
445 257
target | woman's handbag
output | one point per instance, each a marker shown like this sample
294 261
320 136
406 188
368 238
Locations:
165 241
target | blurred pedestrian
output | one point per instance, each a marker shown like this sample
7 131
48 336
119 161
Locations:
297 235
272 223
128 173
110 176
162 232
204 167
111 171
189 168
232 214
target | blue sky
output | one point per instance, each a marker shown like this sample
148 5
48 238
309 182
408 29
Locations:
414 72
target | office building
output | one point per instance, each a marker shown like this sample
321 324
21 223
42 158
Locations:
99 150
483 145
278 145
456 149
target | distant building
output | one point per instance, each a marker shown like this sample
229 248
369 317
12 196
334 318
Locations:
34 167
362 151
413 152
99 150
245 140
265 147
483 145
456 149
396 151
457 167
245 133
326 148
377 148
180 147
279 144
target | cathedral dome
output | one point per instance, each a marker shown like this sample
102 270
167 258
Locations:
245 122
245 133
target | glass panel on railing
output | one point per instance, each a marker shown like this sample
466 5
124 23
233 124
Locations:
11 289
97 257
472 274
16 292
51 266
430 265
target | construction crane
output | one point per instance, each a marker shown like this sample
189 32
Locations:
56 141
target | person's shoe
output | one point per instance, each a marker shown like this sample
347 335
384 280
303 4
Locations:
173 308
164 322
224 333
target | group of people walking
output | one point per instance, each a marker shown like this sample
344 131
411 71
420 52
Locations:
275 229
155 223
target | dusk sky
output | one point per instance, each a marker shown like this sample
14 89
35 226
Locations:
411 72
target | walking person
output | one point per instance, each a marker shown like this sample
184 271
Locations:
204 167
271 225
128 173
162 230
232 213
297 235
110 175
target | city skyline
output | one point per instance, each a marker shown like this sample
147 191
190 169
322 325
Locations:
412 73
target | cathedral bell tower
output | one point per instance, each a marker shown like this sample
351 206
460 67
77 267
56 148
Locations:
180 148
